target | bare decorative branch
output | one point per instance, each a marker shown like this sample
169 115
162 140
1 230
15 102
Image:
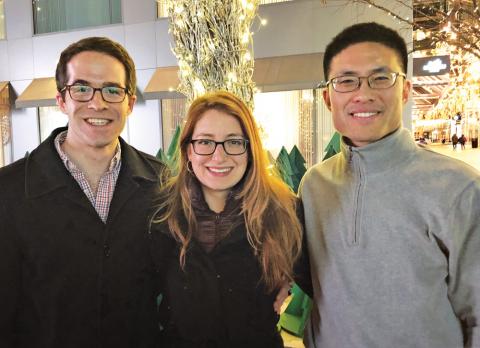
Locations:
213 45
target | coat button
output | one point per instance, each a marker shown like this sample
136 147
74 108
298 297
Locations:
218 276
106 250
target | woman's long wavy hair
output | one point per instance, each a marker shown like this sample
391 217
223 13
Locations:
268 205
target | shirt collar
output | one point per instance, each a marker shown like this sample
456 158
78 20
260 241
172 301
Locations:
60 139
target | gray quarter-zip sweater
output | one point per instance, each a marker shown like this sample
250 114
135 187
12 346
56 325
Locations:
393 233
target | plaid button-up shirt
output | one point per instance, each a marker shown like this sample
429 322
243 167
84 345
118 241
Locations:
106 186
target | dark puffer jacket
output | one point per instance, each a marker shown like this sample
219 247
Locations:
219 300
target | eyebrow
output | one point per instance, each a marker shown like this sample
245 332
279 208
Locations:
355 73
209 135
105 84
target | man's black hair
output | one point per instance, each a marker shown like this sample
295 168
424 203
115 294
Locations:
365 32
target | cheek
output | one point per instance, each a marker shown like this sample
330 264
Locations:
339 122
197 162
243 164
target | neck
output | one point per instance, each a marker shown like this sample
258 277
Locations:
215 199
92 161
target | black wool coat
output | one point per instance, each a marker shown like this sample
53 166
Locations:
219 300
67 279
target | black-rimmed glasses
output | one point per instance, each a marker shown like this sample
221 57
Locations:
378 80
85 93
206 147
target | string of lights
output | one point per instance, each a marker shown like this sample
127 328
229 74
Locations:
447 27
213 45
5 126
456 22
5 129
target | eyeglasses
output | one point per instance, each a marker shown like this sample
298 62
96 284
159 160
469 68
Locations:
85 93
206 147
378 80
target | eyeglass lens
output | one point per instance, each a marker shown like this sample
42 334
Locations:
230 146
375 81
112 94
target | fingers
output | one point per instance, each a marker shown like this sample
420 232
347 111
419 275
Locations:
282 295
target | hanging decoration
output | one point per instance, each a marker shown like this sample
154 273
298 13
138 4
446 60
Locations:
5 129
213 45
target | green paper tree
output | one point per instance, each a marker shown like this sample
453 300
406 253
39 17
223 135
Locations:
333 146
284 167
170 159
297 163
291 167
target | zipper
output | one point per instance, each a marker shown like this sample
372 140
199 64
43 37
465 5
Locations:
217 222
356 208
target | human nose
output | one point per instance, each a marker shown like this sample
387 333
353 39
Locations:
219 154
364 92
97 101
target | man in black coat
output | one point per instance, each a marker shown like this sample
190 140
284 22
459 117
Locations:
74 265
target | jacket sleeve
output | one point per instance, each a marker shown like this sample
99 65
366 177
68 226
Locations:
464 262
302 266
10 276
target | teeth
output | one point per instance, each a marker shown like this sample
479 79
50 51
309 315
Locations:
220 170
97 121
364 114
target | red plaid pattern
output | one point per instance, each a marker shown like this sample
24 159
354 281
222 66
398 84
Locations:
106 186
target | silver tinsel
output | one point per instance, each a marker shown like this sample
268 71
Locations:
213 45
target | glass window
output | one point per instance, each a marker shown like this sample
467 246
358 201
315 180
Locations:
173 113
2 20
285 119
60 15
49 118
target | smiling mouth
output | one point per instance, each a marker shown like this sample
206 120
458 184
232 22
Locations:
364 114
98 121
220 170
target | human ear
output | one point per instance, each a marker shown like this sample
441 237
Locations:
60 102
189 151
131 102
407 86
326 98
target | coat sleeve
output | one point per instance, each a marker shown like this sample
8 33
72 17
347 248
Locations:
302 266
464 262
10 276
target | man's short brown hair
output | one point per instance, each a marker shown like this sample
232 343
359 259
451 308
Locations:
101 45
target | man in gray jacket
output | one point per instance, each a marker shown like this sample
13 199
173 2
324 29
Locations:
393 230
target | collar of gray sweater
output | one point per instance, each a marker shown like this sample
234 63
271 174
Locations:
392 151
